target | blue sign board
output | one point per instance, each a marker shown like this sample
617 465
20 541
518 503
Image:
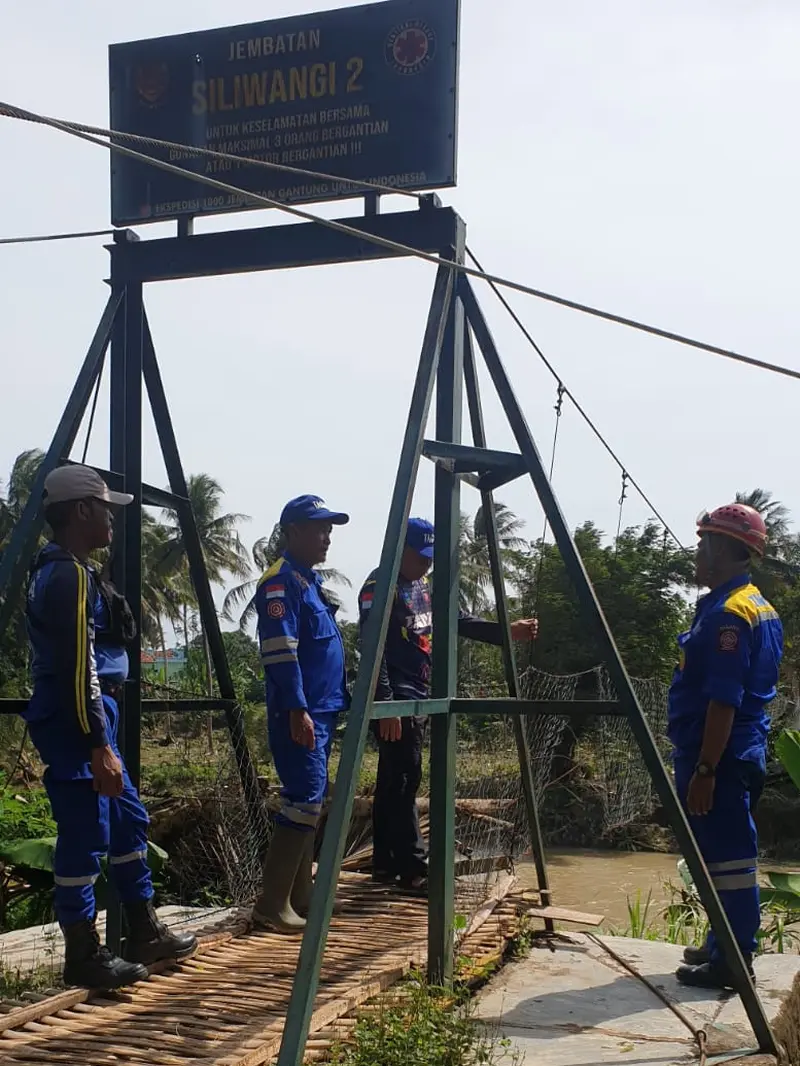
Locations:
362 93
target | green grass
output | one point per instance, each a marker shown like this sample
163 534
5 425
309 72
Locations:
423 1025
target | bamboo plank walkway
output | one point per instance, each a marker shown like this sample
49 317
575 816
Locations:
226 1006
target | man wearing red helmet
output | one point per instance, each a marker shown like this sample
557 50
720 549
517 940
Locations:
718 723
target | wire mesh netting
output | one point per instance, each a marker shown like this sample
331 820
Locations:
192 785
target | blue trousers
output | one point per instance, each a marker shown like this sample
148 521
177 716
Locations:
729 844
91 826
303 773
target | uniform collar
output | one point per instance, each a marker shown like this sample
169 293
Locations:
310 575
721 592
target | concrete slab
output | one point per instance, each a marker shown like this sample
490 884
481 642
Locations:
552 1047
576 1005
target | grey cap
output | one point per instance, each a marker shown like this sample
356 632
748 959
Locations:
68 483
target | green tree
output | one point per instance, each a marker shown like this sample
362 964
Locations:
223 551
14 681
637 580
475 572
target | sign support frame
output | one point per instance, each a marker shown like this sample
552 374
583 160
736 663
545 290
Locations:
447 359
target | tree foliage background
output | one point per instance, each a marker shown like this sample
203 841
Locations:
643 582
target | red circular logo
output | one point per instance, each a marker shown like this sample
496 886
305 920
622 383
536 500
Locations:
276 609
410 47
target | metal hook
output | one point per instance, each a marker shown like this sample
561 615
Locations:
624 495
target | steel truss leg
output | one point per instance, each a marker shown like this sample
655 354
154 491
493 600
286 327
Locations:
125 438
616 668
197 569
444 659
306 981
501 601
16 558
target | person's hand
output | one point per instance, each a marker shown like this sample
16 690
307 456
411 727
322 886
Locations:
107 772
700 797
302 728
525 629
390 728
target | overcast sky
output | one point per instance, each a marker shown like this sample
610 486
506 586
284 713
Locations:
639 157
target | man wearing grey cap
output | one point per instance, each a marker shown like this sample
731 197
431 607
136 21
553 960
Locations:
79 626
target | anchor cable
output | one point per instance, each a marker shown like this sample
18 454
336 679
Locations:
397 248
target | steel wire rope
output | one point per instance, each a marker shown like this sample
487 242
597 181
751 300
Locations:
578 407
559 404
36 239
10 111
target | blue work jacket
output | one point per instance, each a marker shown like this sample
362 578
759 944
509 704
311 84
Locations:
731 654
301 647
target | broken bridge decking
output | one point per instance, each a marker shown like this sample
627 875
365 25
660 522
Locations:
226 1006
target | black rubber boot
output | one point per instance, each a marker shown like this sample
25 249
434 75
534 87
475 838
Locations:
712 975
89 964
149 940
696 956
273 908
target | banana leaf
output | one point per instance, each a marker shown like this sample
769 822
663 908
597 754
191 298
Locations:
39 855
787 746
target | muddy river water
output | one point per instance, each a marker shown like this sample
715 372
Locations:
599 882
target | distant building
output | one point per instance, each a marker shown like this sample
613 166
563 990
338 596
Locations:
153 659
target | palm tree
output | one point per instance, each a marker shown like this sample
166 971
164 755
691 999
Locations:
20 482
775 515
223 550
265 552
780 563
476 577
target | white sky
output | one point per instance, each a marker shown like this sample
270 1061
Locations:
639 157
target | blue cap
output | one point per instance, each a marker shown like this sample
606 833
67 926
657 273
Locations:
311 509
420 537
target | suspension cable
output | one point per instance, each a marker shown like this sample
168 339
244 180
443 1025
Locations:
578 407
622 497
57 237
559 404
561 389
397 248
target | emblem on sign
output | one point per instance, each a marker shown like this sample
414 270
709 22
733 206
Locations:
410 47
151 81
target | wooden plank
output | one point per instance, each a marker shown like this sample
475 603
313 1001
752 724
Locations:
563 914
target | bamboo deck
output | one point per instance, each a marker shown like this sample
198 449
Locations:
226 1006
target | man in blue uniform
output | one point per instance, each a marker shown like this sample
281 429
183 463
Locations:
304 664
718 723
78 627
399 855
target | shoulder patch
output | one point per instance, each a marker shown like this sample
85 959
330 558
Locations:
748 604
276 609
275 573
728 638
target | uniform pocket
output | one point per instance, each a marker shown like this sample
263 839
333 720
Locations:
321 625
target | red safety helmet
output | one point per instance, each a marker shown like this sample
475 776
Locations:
736 520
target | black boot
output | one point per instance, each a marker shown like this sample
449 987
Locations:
89 964
713 974
149 940
696 956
